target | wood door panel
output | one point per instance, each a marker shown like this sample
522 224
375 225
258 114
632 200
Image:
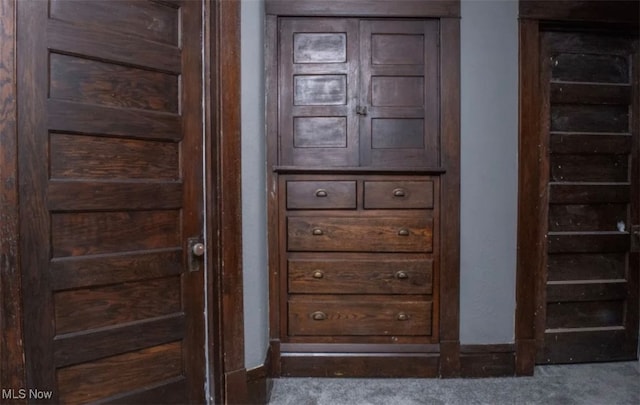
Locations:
78 234
111 189
95 270
122 373
589 298
100 157
92 82
150 20
96 307
586 266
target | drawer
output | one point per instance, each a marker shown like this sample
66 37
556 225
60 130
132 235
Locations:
360 234
362 317
302 195
398 194
360 276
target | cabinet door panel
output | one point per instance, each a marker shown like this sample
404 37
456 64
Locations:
318 89
399 86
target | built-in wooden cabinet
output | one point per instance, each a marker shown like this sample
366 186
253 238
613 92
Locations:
357 174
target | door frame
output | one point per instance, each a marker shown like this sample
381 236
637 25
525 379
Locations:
225 320
534 16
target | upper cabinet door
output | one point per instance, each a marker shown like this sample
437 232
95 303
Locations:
318 92
399 88
359 93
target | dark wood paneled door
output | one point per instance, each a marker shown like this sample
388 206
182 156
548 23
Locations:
590 107
110 170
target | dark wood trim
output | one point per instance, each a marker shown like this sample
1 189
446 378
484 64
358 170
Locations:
529 205
361 365
482 361
567 10
260 382
271 118
12 372
223 187
359 170
364 8
450 197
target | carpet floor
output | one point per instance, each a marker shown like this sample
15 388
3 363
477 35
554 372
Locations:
584 384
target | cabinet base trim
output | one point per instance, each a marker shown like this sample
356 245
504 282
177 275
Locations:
369 365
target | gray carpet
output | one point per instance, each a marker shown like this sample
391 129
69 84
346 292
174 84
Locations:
597 384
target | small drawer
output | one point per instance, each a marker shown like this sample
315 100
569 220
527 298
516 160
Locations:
360 234
360 276
398 194
303 195
327 317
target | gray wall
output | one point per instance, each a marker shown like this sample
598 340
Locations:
489 170
489 139
254 203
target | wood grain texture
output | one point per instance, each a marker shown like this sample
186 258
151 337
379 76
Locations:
585 143
590 266
402 194
121 373
482 361
450 196
77 234
12 367
226 325
586 345
321 195
83 309
376 275
359 234
151 20
416 365
529 251
102 157
600 11
376 8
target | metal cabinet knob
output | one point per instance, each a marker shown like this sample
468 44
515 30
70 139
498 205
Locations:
321 192
318 274
401 275
399 192
198 249
318 316
402 316
403 232
317 232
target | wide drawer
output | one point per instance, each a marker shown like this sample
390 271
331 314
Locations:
356 318
321 195
360 234
398 194
360 276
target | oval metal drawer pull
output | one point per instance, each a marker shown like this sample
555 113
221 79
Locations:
318 316
317 232
402 316
318 274
402 275
399 192
321 192
403 232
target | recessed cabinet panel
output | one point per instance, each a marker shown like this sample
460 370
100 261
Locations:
320 90
397 49
397 91
320 132
396 133
319 48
